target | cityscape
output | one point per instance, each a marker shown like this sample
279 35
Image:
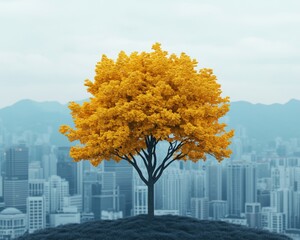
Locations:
41 185
213 84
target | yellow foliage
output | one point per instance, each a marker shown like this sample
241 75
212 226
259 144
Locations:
145 94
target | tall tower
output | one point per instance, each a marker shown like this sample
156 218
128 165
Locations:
124 180
140 196
67 168
175 190
36 206
16 177
214 182
236 189
199 208
250 183
55 190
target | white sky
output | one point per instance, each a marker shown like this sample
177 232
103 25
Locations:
49 47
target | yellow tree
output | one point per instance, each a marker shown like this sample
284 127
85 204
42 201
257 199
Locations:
142 99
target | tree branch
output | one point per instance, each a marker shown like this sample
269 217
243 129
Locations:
179 156
170 152
174 146
117 153
154 157
144 159
133 163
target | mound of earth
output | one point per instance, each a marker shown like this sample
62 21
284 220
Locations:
159 228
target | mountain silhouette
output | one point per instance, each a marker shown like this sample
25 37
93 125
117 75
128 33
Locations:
263 122
266 122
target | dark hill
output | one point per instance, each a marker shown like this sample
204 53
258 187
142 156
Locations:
161 228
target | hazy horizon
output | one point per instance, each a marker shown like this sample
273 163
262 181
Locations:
78 100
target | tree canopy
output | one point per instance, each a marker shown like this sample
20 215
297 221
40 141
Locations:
150 94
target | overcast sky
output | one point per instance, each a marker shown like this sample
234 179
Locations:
48 48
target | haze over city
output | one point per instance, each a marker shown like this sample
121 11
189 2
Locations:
48 48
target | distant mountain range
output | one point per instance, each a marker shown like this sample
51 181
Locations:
266 122
263 122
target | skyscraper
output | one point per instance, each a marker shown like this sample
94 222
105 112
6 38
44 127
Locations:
36 205
214 182
36 213
55 190
236 189
124 180
250 183
218 209
67 168
16 177
175 190
253 215
49 163
110 196
89 179
200 208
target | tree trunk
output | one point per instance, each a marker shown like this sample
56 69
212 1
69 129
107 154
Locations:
151 199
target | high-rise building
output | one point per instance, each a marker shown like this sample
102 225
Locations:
286 201
263 170
101 193
278 222
218 209
67 168
49 164
96 200
39 150
253 214
236 189
195 181
280 177
36 187
241 186
200 208
140 195
35 170
250 183
55 190
16 177
80 168
198 183
110 194
263 197
36 205
89 179
295 178
174 190
74 201
140 204
124 180
214 182
36 213
272 220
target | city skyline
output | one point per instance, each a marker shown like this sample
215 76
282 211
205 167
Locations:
257 187
49 48
134 134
